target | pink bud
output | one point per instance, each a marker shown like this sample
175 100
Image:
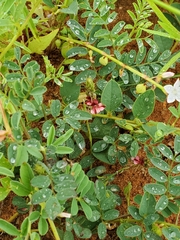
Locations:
167 74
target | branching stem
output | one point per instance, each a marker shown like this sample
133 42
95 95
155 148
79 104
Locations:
19 32
54 230
86 44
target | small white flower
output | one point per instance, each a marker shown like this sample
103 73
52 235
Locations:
167 74
173 92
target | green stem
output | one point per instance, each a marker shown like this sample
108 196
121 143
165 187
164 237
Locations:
5 120
54 230
168 224
89 134
25 129
44 112
120 171
6 123
177 219
19 31
166 6
131 122
12 218
86 44
135 26
173 124
29 225
175 45
131 220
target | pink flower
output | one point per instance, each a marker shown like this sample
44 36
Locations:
96 106
137 160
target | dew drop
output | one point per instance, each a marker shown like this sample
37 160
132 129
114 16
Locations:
155 50
12 160
176 181
72 106
96 129
66 112
122 159
172 235
105 139
77 32
72 68
178 167
14 148
103 145
81 145
82 68
45 134
35 113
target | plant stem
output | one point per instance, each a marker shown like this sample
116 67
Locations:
13 217
25 129
174 46
19 30
86 44
132 122
168 224
177 219
89 134
167 7
135 25
54 230
29 224
6 123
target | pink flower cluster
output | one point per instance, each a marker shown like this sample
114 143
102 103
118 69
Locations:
137 160
96 107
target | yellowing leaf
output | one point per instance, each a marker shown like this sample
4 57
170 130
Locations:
40 44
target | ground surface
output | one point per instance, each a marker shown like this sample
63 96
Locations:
137 175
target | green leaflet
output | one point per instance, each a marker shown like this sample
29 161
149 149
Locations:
40 44
144 105
111 96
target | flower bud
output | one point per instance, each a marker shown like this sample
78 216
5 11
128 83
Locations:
91 56
38 169
66 46
90 85
140 88
156 229
167 74
128 127
58 43
103 60
159 134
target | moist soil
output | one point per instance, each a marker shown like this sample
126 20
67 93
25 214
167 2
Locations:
137 175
